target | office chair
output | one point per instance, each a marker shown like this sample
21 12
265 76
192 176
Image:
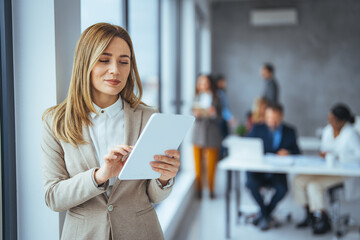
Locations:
341 223
267 192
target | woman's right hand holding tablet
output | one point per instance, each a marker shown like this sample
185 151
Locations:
113 163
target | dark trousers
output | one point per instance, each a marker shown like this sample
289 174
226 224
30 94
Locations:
256 181
224 128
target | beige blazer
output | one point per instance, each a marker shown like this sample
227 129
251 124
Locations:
67 175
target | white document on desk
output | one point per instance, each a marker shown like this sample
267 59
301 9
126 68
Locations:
162 132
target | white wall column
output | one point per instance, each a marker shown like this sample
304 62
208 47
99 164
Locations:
35 91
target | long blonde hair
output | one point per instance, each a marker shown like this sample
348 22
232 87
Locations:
69 116
258 114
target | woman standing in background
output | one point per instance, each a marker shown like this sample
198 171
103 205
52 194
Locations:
207 136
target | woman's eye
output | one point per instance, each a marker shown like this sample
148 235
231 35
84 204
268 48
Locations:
124 62
103 61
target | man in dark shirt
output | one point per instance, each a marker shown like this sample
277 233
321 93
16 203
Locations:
271 90
279 138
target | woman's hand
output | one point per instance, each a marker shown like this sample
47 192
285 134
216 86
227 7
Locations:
197 113
168 165
212 111
112 163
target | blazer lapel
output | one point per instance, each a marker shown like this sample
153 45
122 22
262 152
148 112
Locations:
132 124
87 150
132 127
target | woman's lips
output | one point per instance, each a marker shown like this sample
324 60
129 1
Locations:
113 81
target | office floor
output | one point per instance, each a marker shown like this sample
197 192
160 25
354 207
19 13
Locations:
205 219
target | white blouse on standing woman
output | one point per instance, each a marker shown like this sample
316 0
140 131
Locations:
107 131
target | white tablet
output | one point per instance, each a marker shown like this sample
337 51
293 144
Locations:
162 132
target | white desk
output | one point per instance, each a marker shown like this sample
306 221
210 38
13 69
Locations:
309 143
293 164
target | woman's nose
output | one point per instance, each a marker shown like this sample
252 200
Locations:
114 68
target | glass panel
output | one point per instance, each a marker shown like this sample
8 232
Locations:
143 29
168 55
94 11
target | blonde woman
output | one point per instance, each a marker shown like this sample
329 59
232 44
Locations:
258 114
85 138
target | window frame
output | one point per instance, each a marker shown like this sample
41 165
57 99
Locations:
8 150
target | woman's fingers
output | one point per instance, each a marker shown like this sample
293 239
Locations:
110 157
168 160
125 147
167 165
171 157
165 174
173 153
117 152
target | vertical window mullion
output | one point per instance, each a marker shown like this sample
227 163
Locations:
8 160
159 55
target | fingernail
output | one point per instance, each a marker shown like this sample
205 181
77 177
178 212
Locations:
114 156
156 157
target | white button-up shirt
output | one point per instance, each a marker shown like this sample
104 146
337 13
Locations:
107 130
346 146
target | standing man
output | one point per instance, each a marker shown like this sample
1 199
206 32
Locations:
271 90
278 138
228 118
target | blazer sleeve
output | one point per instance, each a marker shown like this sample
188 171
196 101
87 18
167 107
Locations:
155 192
294 148
63 192
252 133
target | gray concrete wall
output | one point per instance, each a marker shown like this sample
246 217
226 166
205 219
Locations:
317 61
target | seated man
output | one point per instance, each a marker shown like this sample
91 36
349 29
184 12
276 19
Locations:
278 138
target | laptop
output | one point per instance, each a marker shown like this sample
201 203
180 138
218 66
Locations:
245 148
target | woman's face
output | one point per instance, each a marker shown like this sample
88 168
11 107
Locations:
110 73
262 108
203 84
335 123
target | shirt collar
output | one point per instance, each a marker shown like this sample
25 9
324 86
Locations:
112 110
278 129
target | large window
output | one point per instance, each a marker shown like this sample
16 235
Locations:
144 31
94 11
